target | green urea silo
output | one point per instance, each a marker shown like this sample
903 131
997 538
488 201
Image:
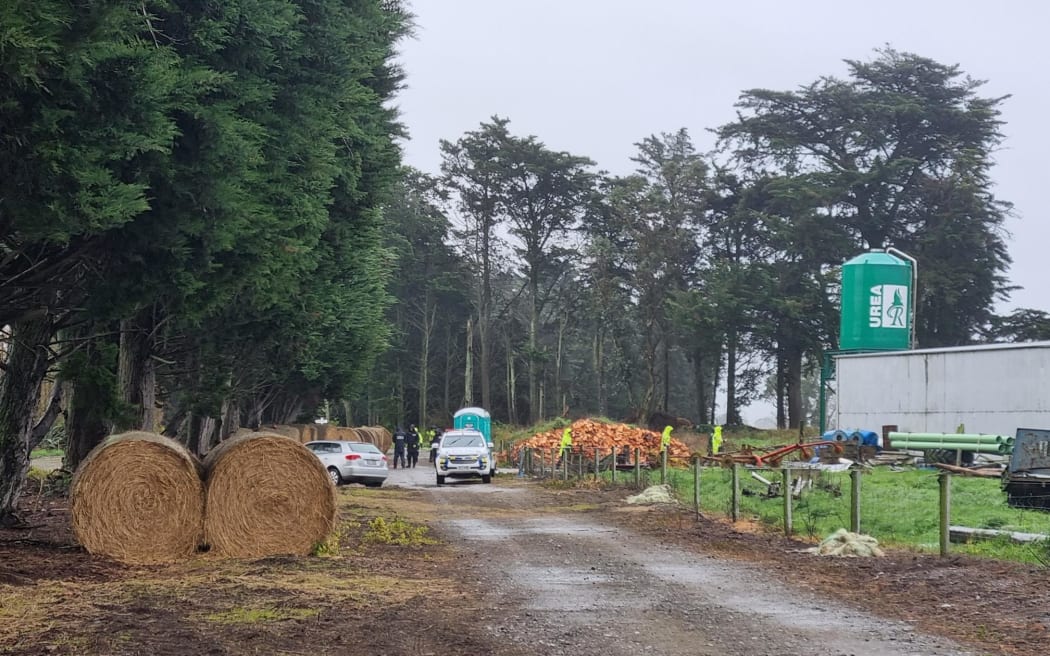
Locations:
876 302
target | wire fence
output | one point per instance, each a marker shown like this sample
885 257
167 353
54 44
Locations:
921 508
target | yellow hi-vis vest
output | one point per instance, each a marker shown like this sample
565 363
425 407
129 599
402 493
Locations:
566 440
665 439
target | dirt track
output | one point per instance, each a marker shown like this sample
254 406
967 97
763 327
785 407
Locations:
520 569
571 584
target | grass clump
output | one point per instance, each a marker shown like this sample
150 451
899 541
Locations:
331 545
397 531
47 453
259 615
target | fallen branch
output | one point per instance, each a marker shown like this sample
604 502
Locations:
979 473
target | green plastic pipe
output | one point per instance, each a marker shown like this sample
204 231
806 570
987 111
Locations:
958 446
947 438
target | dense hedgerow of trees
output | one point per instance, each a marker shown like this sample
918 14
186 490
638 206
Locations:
205 225
191 233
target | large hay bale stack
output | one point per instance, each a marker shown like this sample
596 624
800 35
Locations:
376 435
288 431
341 433
138 498
266 495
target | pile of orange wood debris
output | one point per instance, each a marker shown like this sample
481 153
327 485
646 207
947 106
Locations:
588 435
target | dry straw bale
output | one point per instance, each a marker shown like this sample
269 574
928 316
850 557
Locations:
138 498
376 435
382 438
266 495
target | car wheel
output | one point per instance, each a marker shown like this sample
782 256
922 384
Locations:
333 475
486 478
440 479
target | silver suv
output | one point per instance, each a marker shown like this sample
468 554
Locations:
463 454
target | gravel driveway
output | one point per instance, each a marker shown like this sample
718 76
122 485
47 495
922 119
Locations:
567 585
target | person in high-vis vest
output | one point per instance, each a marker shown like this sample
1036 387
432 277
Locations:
716 441
566 442
665 439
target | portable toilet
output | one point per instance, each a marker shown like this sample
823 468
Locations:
475 419
479 420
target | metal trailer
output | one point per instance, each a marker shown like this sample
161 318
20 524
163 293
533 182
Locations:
995 388
1027 479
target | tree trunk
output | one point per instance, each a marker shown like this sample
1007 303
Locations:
90 393
231 418
136 372
645 407
559 359
468 367
699 377
535 412
27 363
732 412
599 369
429 317
781 414
512 384
543 389
446 401
206 440
348 412
667 374
484 316
794 386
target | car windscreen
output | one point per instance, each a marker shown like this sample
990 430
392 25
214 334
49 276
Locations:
364 448
461 440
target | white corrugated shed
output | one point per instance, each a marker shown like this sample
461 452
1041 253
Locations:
993 388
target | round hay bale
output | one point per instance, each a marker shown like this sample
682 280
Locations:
138 498
381 437
267 495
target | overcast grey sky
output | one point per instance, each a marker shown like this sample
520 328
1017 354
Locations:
594 77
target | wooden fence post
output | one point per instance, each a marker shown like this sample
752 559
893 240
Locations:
854 507
945 480
785 487
663 467
637 468
696 486
735 508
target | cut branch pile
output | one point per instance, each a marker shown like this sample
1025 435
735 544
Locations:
267 495
138 498
588 434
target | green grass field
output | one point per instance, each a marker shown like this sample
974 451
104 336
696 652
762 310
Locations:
899 508
45 453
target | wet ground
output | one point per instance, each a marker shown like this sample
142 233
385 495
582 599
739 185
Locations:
516 568
577 584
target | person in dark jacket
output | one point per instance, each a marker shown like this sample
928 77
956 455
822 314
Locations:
435 440
400 439
413 446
